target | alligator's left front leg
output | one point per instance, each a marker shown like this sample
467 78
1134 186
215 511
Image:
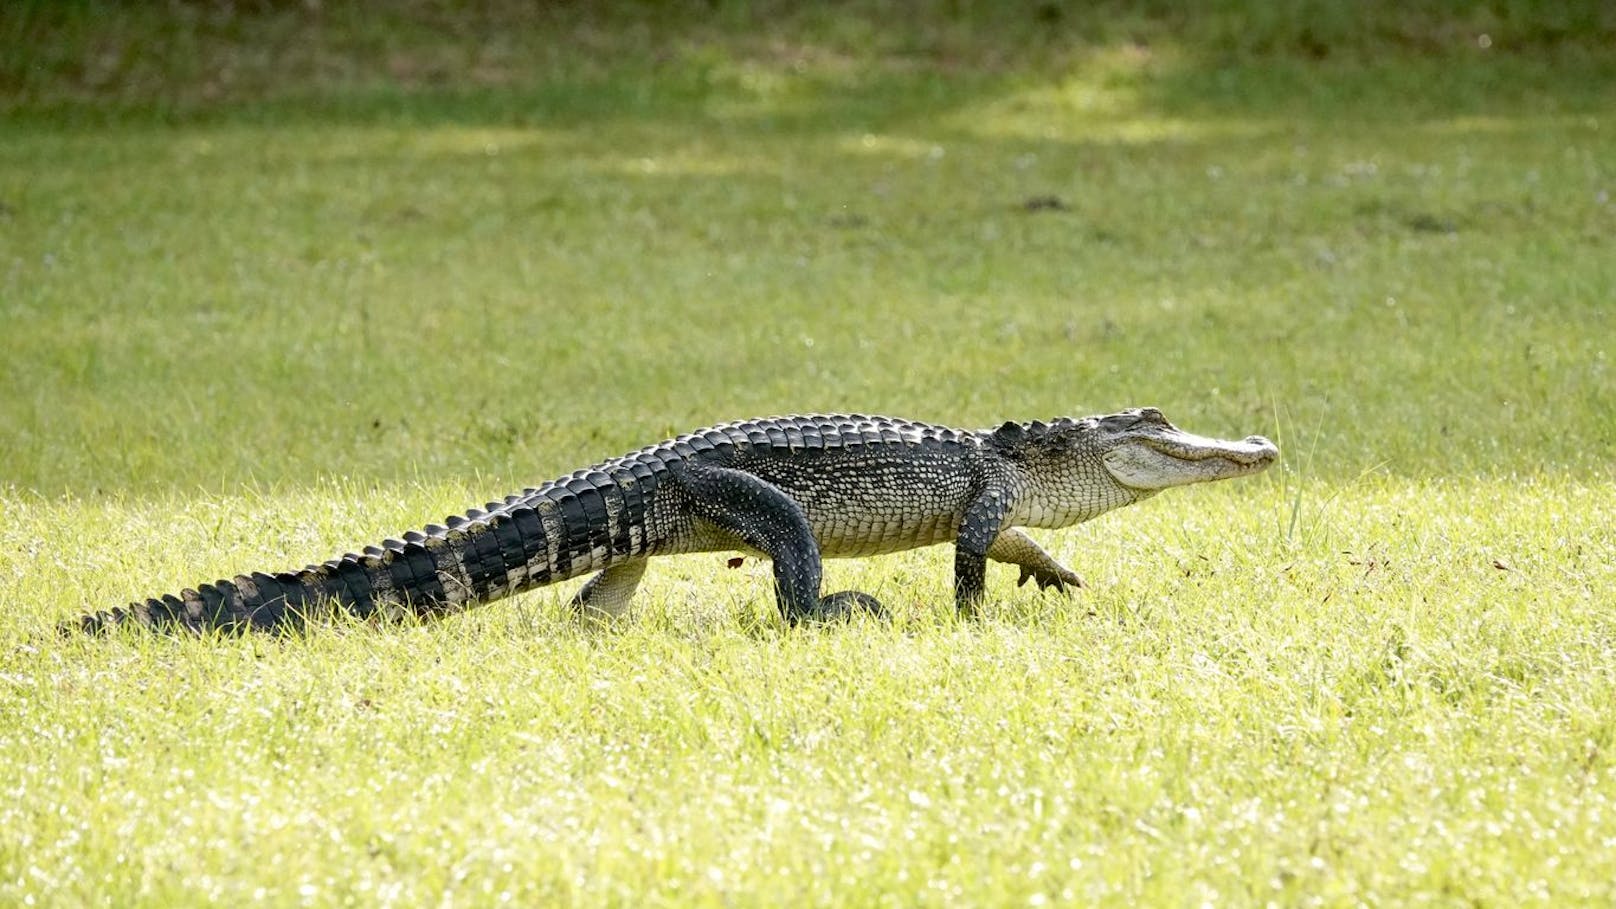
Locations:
1013 547
983 523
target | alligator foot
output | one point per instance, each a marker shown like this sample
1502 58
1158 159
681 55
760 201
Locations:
841 605
1058 577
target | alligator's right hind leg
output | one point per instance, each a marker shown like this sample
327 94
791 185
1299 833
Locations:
757 514
610 592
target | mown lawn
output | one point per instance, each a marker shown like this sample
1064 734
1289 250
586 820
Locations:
276 284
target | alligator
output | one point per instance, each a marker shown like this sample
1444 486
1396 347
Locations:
793 489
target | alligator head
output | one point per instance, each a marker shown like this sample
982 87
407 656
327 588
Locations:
1077 469
1141 450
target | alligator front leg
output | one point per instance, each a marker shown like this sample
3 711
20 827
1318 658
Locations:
758 515
981 526
1013 547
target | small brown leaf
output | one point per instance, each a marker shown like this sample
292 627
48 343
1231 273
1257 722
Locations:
736 561
1501 566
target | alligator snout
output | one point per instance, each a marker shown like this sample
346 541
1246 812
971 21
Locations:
1256 450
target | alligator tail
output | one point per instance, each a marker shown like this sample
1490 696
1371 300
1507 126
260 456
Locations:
583 523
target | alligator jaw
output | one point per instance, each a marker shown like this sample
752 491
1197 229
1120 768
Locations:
1168 456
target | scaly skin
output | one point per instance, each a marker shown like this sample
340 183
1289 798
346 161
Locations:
794 489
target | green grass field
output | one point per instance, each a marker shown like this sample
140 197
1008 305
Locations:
278 283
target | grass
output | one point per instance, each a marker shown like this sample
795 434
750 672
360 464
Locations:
323 277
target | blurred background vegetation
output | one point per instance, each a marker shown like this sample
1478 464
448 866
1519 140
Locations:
180 55
288 240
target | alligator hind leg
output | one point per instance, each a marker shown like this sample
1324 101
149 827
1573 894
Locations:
1013 547
609 592
759 516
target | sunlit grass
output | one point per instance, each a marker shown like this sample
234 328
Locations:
1409 695
257 317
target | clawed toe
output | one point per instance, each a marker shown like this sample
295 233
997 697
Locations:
1049 579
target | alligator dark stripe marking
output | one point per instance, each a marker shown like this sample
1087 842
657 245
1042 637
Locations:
230 598
302 595
645 475
271 599
267 591
425 569
596 535
403 576
355 584
500 583
213 604
533 544
296 587
575 544
510 548
611 503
